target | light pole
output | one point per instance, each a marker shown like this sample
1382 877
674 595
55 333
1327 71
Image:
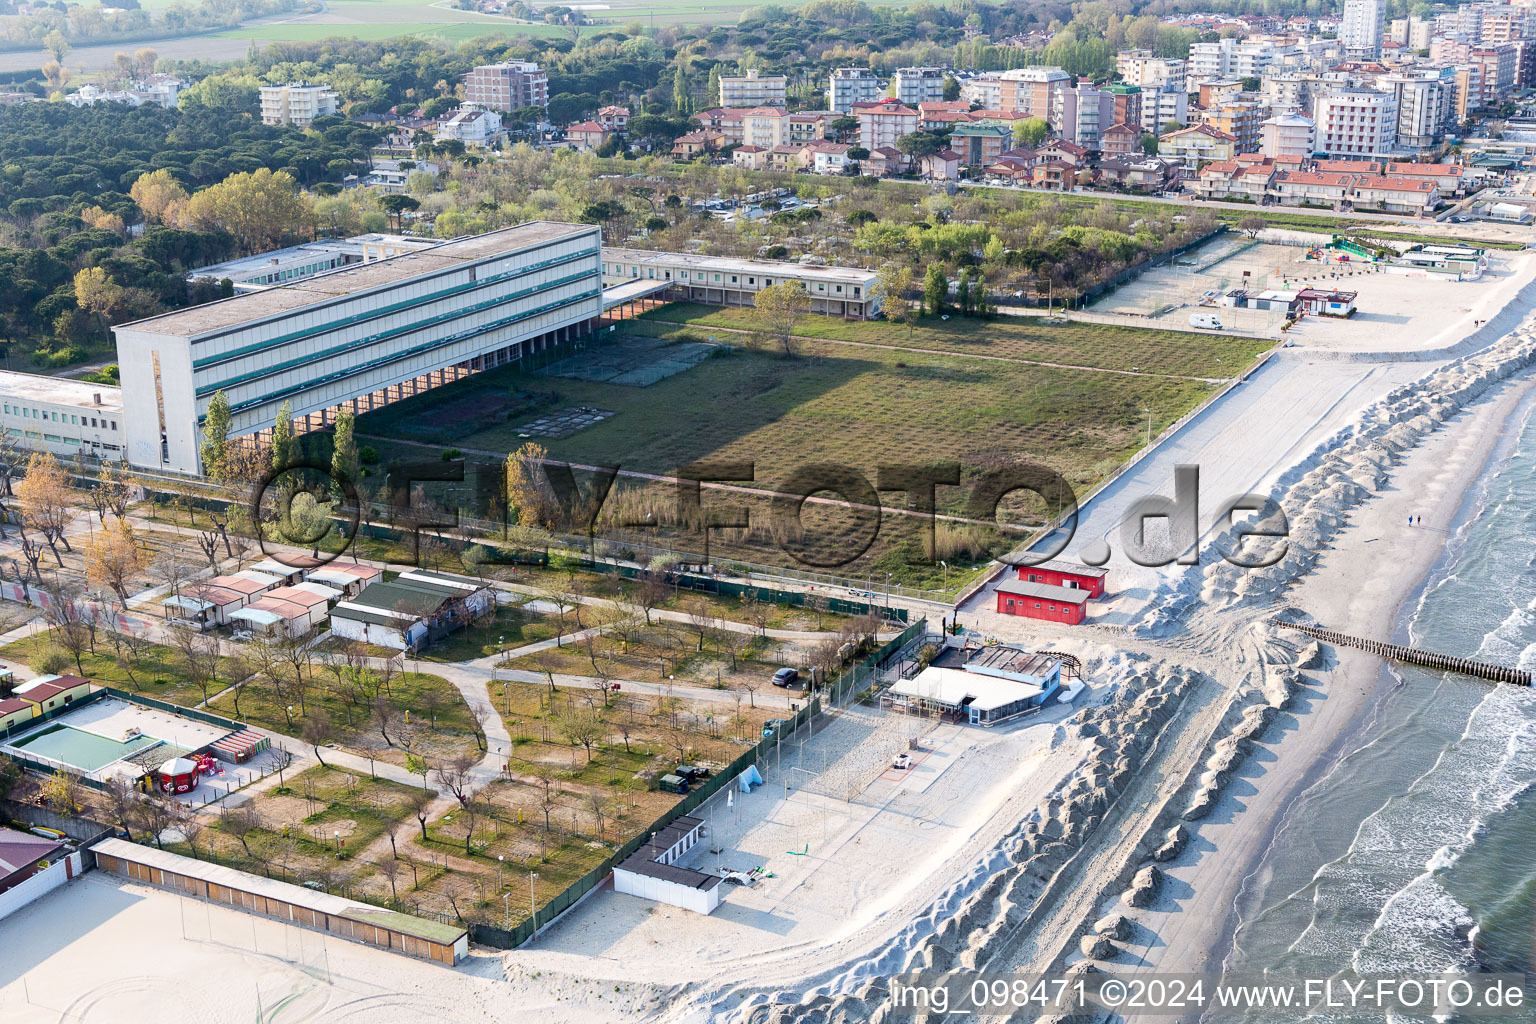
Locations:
946 573
337 834
533 907
501 863
888 577
1148 411
506 920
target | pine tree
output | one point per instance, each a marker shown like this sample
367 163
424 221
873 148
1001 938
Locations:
215 448
714 85
344 460
284 448
963 292
935 290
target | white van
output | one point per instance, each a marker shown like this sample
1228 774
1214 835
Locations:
1205 321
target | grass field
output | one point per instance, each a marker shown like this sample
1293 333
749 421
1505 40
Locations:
856 406
153 670
979 396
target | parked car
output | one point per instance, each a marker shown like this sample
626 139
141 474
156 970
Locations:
785 677
903 761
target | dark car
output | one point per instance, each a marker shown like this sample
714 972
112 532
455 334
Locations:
785 677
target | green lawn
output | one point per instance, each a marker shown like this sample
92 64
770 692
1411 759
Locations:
511 627
440 722
1033 338
152 669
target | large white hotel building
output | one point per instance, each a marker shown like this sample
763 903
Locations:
363 336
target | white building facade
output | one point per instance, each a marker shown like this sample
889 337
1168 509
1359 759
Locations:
61 416
1360 31
919 85
847 86
753 90
297 104
1355 122
348 336
727 281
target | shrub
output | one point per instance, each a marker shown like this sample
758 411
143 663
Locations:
368 453
51 662
451 454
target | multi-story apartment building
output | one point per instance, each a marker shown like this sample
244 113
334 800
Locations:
1424 98
1506 23
1127 103
1227 58
918 85
1498 64
510 85
753 90
882 123
982 142
1287 135
806 126
1237 117
1083 113
1033 91
1150 72
847 86
763 126
1361 30
297 103
1163 108
1355 122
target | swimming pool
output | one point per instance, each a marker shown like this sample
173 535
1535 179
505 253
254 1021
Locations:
85 751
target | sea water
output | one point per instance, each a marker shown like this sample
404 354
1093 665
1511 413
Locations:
1415 849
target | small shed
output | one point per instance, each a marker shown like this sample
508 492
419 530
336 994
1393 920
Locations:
178 775
1326 302
347 577
1042 601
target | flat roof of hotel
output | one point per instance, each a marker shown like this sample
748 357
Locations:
35 387
240 309
856 275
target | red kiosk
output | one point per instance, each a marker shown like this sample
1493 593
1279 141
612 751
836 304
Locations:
178 775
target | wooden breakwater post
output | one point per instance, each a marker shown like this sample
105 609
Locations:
1414 656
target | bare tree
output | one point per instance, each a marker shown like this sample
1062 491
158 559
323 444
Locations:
700 617
122 801
386 714
190 825
581 727
650 592
317 732
156 814
456 776
597 802
389 867
419 803
199 656
238 823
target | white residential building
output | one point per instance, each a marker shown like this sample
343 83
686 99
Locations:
62 416
1227 58
364 336
919 85
1287 135
753 90
847 86
1355 122
1083 114
1161 108
881 124
1423 104
1150 72
1360 31
297 104
473 126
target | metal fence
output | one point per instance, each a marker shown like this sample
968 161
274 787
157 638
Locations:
744 591
786 729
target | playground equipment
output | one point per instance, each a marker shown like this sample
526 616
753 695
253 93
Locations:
1341 250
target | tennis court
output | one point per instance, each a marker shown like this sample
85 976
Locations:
84 751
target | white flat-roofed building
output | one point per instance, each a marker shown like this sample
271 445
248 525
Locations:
753 90
298 262
472 126
729 281
919 85
388 328
296 103
62 416
847 86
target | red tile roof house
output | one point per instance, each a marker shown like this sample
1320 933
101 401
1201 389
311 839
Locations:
587 135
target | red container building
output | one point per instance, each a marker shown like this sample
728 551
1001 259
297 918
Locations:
1066 574
1042 601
